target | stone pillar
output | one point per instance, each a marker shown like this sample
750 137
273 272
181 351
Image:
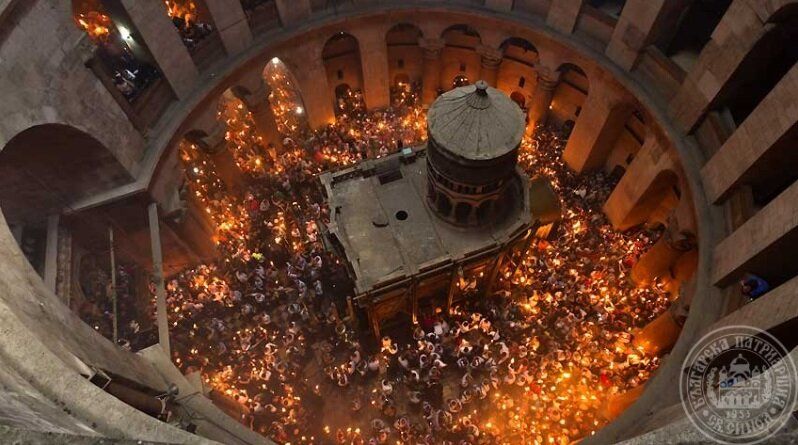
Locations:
734 37
63 282
312 79
374 63
196 230
563 14
765 240
640 24
541 101
257 102
231 23
293 11
617 403
649 175
660 258
51 252
499 5
431 79
216 146
597 128
158 279
660 334
765 132
159 34
489 68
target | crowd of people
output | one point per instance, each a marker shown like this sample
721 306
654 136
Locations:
267 325
535 362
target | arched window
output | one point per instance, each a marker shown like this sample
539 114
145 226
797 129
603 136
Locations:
520 51
570 94
444 204
518 97
341 56
460 81
405 62
462 212
484 211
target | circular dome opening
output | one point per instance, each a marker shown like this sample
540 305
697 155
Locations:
401 215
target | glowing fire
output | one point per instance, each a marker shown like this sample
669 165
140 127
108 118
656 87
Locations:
182 9
96 24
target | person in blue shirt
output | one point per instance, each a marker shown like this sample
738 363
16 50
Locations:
754 286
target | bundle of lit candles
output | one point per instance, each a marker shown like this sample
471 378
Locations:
182 9
96 24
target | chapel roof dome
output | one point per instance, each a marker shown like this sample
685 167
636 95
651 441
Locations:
476 122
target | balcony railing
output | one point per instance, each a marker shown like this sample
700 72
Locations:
143 103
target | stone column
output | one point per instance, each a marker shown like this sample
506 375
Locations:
640 24
216 146
489 68
544 92
618 402
734 37
63 282
51 252
312 79
158 279
630 202
660 334
765 132
765 240
196 229
231 23
374 63
563 14
257 102
660 258
431 79
156 30
293 11
597 128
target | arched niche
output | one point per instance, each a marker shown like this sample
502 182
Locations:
47 167
341 57
286 100
570 94
517 71
459 56
405 56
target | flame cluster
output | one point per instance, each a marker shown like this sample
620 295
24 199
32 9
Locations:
182 9
96 24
